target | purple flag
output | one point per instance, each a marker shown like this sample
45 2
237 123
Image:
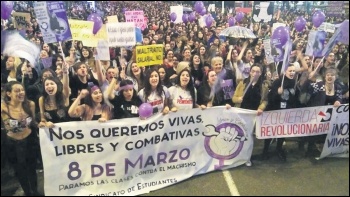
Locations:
315 43
341 35
287 52
47 62
344 38
53 21
58 20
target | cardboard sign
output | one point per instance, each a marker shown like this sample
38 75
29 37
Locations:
121 34
149 55
21 19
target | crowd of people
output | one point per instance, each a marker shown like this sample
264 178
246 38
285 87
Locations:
77 87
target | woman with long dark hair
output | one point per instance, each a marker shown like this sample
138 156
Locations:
183 95
154 92
54 102
126 103
94 107
21 144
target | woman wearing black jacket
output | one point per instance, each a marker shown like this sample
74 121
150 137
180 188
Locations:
282 96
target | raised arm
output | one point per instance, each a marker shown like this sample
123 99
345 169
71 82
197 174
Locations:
100 77
75 109
245 44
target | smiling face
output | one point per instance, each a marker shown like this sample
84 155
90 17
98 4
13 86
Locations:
96 95
44 54
154 79
184 79
217 65
10 63
135 69
50 87
85 52
196 60
211 77
161 73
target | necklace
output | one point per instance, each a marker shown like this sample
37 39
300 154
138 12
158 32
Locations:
329 90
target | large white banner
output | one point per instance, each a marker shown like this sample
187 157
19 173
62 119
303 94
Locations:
133 156
337 141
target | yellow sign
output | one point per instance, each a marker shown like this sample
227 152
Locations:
112 19
149 55
77 26
91 40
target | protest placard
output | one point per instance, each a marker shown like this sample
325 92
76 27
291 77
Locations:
149 55
91 40
121 34
112 19
53 21
21 19
102 50
135 17
78 26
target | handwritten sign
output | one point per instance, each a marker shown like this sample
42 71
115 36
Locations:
135 17
102 50
21 19
43 19
53 21
112 19
327 27
267 47
149 55
91 40
121 34
77 26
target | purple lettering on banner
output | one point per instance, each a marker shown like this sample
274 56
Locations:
58 20
334 8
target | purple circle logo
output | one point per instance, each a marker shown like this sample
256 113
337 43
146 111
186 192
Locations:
225 141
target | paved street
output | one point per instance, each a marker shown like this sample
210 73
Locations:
299 176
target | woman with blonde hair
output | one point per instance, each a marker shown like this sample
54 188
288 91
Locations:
11 65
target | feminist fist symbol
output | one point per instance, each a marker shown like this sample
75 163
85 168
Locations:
225 142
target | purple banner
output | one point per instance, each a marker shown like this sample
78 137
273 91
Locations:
58 20
334 8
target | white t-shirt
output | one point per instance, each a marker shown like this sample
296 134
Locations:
181 98
155 100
